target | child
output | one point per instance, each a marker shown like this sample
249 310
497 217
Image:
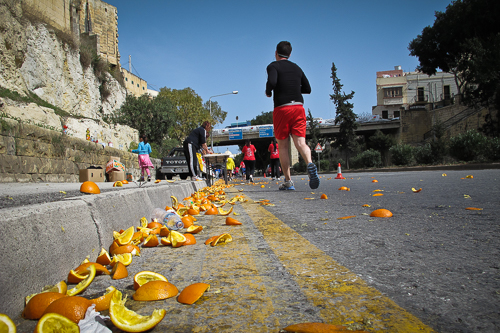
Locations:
144 150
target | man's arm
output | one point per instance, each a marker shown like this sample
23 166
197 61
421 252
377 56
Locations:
272 80
205 149
305 87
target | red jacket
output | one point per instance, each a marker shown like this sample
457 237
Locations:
274 154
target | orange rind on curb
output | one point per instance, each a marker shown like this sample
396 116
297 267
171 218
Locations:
144 277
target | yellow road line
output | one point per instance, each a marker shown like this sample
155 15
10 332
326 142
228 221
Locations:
343 297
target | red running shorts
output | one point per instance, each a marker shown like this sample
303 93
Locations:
289 119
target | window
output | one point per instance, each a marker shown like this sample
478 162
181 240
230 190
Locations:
393 92
126 79
132 82
420 94
142 88
396 114
137 85
446 92
385 114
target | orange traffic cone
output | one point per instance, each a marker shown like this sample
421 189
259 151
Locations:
264 175
339 173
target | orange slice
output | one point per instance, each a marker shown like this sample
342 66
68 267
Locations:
194 229
192 293
211 239
103 258
222 239
125 237
151 241
166 241
102 303
128 320
177 239
225 212
38 303
231 221
82 285
119 271
190 240
98 267
125 258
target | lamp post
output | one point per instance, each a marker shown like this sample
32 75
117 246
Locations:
210 103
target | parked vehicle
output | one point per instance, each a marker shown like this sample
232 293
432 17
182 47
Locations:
174 164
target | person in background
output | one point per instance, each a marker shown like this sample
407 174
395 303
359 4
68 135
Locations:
248 151
288 82
242 168
144 150
195 141
275 159
229 168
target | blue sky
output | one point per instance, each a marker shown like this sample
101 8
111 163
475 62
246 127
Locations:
215 47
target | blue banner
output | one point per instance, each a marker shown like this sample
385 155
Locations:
266 132
235 134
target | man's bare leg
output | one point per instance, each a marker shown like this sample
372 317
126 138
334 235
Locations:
302 147
284 146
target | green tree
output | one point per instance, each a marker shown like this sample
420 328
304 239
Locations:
345 116
189 111
263 119
152 117
381 142
464 40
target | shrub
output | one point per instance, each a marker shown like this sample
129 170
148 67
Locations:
324 165
468 146
370 158
492 149
423 154
300 166
402 154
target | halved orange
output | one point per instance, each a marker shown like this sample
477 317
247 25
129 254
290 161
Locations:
144 277
38 303
192 211
128 320
381 213
192 293
54 322
231 221
194 229
187 221
324 196
117 184
374 181
61 287
113 246
102 303
155 290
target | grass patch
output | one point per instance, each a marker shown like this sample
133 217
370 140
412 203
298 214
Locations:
32 98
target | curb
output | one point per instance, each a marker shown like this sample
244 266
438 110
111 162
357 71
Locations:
44 242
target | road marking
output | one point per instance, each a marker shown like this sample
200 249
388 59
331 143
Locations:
342 297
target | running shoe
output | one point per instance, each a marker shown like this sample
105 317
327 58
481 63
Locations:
287 186
141 179
313 176
149 179
251 178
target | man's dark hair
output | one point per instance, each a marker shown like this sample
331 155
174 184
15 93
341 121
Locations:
284 49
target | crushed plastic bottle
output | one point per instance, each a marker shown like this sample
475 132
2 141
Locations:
170 218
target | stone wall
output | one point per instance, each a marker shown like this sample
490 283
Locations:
417 124
29 153
54 13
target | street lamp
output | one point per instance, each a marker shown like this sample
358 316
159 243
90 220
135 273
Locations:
210 103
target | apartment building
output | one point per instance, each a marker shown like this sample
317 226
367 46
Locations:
398 90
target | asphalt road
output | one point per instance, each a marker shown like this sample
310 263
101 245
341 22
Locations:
434 258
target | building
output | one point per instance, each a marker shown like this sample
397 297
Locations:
134 84
91 22
398 90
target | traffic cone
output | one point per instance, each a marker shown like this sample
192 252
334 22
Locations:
339 173
264 174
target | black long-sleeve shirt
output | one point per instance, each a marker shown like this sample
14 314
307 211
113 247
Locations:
288 82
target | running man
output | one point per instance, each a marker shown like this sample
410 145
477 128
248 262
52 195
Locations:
288 82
